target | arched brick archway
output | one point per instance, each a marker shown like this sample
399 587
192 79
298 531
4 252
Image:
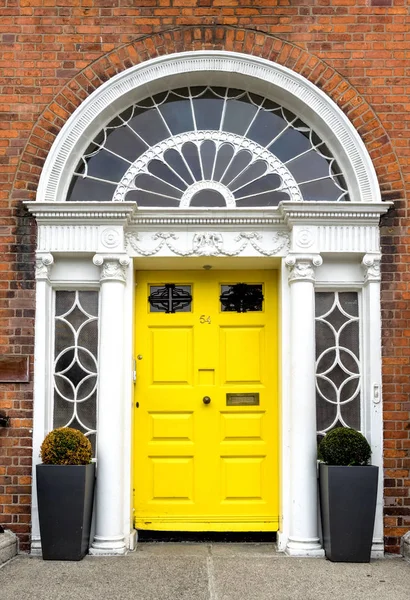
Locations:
315 70
245 41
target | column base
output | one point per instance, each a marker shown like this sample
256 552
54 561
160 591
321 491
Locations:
377 549
308 548
133 539
108 546
35 548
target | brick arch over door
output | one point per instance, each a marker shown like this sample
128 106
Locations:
245 41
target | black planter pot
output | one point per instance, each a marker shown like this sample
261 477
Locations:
348 506
65 496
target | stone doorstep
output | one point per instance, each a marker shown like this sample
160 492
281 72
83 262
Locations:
405 545
8 546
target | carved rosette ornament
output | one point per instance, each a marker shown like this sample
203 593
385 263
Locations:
43 264
371 265
303 267
110 238
113 268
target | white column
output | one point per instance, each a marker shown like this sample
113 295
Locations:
303 533
373 410
109 531
42 365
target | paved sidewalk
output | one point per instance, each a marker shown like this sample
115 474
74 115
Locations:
159 571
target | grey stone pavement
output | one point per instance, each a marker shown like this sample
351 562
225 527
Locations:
213 571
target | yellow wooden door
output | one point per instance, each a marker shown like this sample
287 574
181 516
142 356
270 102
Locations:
206 410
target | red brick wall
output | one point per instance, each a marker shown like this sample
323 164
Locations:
52 57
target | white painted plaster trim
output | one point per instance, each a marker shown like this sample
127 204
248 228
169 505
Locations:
207 66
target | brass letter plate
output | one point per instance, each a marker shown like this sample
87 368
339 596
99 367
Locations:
242 399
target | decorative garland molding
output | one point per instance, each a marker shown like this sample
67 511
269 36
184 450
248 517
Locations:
256 73
207 244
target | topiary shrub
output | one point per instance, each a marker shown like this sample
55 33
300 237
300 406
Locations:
66 446
344 447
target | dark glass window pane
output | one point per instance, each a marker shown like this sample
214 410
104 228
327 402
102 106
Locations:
238 116
207 151
241 297
105 165
351 414
271 199
224 157
89 302
177 113
266 127
267 183
338 375
75 354
150 126
87 412
323 302
191 155
177 162
349 302
124 142
325 413
309 166
152 184
320 190
147 199
170 298
208 111
240 163
162 171
89 190
64 301
208 198
254 171
64 336
289 144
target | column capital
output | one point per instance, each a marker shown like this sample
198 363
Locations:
302 266
371 265
113 266
43 264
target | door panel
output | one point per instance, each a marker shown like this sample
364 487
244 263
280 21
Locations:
206 466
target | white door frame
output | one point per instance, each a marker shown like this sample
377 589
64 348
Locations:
312 243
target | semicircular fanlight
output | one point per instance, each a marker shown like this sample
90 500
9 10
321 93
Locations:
210 147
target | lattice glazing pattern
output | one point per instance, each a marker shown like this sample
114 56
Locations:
207 147
338 368
76 361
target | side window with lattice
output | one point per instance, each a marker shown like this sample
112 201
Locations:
338 367
75 369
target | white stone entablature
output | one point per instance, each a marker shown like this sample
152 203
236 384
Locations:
292 227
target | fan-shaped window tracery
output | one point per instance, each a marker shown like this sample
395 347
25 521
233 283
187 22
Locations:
207 147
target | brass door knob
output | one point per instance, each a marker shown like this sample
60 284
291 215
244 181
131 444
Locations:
206 400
